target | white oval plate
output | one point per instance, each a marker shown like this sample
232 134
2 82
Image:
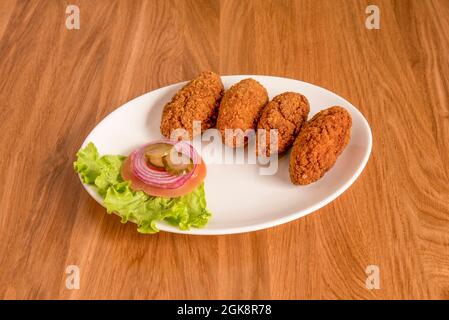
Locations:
240 199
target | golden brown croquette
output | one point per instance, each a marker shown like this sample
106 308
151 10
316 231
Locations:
240 108
198 100
287 112
318 145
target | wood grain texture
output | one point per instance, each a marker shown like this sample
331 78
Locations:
56 84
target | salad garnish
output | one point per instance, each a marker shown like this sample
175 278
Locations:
182 203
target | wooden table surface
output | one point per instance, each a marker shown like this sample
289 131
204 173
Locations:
56 84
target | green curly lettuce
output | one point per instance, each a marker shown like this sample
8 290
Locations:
104 174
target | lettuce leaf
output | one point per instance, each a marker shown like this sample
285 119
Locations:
109 173
87 164
104 174
100 172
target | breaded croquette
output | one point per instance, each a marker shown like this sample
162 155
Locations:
240 109
287 112
318 145
198 100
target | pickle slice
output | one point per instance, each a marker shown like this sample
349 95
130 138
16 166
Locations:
156 152
177 163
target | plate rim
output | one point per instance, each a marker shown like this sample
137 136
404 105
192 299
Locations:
257 226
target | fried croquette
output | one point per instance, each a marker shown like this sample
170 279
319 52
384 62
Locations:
287 112
198 100
240 109
318 145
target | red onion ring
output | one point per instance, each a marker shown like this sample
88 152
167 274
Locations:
163 179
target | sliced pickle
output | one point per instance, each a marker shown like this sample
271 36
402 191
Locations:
156 152
177 163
